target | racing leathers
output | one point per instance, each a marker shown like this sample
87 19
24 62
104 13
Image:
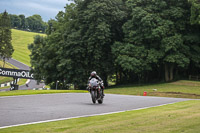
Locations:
100 81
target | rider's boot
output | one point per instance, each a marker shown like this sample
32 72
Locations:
103 93
102 87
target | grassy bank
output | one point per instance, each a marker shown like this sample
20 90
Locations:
173 118
20 41
179 89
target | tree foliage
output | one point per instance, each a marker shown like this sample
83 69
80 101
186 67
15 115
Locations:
32 23
35 23
195 11
84 38
133 40
6 48
155 36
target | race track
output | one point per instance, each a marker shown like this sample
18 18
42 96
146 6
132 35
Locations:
17 110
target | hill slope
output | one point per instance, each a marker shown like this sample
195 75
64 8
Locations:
20 41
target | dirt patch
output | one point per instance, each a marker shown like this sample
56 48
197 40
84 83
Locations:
174 94
187 83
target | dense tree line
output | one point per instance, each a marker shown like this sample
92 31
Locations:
32 23
6 48
133 41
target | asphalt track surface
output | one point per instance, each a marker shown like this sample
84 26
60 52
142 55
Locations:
22 110
32 84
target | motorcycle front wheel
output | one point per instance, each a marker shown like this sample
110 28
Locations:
100 101
93 96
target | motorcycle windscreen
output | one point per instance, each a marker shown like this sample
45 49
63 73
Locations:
93 82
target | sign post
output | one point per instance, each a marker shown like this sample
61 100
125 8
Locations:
15 73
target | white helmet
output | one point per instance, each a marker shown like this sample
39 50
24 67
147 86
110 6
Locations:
93 73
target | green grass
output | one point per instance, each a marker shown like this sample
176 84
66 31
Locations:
179 89
33 92
5 79
173 118
182 88
20 41
21 82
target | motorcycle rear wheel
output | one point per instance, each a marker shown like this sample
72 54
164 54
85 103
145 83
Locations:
100 101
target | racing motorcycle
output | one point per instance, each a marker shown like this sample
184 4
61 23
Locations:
95 91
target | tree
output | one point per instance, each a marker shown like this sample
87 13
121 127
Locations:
50 27
44 54
134 40
35 23
195 11
32 23
6 48
15 21
155 31
192 38
82 37
89 39
22 22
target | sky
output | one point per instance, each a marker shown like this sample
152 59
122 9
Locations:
47 9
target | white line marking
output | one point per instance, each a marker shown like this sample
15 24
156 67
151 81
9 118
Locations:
82 116
28 81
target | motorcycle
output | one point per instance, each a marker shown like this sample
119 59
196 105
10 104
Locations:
95 91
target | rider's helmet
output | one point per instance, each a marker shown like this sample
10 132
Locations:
93 74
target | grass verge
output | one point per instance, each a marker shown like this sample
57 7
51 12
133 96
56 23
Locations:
21 82
20 41
179 89
173 118
33 92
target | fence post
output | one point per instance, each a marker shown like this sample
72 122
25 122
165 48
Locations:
189 77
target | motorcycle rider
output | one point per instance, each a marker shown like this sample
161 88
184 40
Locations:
94 75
